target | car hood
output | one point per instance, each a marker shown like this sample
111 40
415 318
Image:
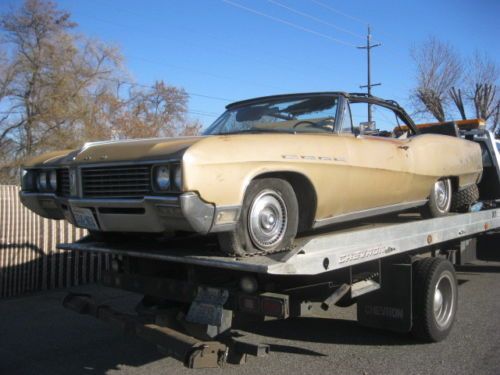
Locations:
135 149
119 151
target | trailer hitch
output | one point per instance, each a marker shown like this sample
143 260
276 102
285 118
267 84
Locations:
194 353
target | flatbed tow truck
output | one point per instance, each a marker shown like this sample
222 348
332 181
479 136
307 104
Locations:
397 269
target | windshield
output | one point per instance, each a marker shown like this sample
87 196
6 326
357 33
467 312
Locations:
308 114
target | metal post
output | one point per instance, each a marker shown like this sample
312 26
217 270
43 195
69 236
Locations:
369 84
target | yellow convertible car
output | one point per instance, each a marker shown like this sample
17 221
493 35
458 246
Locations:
265 170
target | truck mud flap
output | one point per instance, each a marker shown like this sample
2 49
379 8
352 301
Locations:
390 307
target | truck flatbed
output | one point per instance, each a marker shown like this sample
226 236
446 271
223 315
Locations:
381 264
318 253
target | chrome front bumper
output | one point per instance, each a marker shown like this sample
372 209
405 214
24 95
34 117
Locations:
152 214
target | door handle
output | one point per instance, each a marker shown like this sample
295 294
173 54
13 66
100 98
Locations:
404 147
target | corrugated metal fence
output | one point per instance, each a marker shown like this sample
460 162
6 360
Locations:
29 260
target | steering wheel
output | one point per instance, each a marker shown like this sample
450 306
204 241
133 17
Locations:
304 122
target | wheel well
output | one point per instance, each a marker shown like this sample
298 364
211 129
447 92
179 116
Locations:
305 193
454 183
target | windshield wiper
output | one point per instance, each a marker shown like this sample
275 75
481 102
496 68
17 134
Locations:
256 130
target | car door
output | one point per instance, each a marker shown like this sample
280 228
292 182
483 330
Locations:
379 155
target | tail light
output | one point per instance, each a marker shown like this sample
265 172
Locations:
268 304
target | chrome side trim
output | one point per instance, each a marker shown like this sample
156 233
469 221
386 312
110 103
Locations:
368 213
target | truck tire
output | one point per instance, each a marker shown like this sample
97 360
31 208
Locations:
268 221
435 299
440 199
464 198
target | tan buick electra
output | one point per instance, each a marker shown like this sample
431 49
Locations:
265 170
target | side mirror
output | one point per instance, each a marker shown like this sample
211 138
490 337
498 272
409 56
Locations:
367 127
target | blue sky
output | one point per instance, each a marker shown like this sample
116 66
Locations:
214 48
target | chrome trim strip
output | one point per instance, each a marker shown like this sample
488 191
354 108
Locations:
368 213
167 200
80 164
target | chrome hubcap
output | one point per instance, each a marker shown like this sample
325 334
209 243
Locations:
444 301
267 219
442 194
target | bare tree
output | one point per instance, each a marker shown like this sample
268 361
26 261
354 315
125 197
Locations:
59 89
482 83
456 96
53 71
439 68
155 112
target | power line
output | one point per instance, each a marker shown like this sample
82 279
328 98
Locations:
288 23
364 22
132 84
191 111
203 113
314 18
201 72
229 51
218 76
190 93
326 6
224 49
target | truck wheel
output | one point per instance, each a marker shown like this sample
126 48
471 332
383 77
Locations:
268 220
464 198
439 203
435 298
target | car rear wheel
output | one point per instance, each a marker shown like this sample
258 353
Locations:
465 198
440 199
268 220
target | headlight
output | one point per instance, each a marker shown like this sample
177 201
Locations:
42 181
52 177
162 177
178 177
27 180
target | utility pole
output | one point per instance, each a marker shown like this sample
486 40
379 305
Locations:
369 84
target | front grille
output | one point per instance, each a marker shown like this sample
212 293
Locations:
117 182
63 189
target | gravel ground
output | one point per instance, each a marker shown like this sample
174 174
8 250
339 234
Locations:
38 336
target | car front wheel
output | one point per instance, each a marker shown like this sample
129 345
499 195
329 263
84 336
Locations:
268 221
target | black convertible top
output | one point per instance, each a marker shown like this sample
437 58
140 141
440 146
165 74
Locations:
353 96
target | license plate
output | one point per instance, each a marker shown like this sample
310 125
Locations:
84 218
207 307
